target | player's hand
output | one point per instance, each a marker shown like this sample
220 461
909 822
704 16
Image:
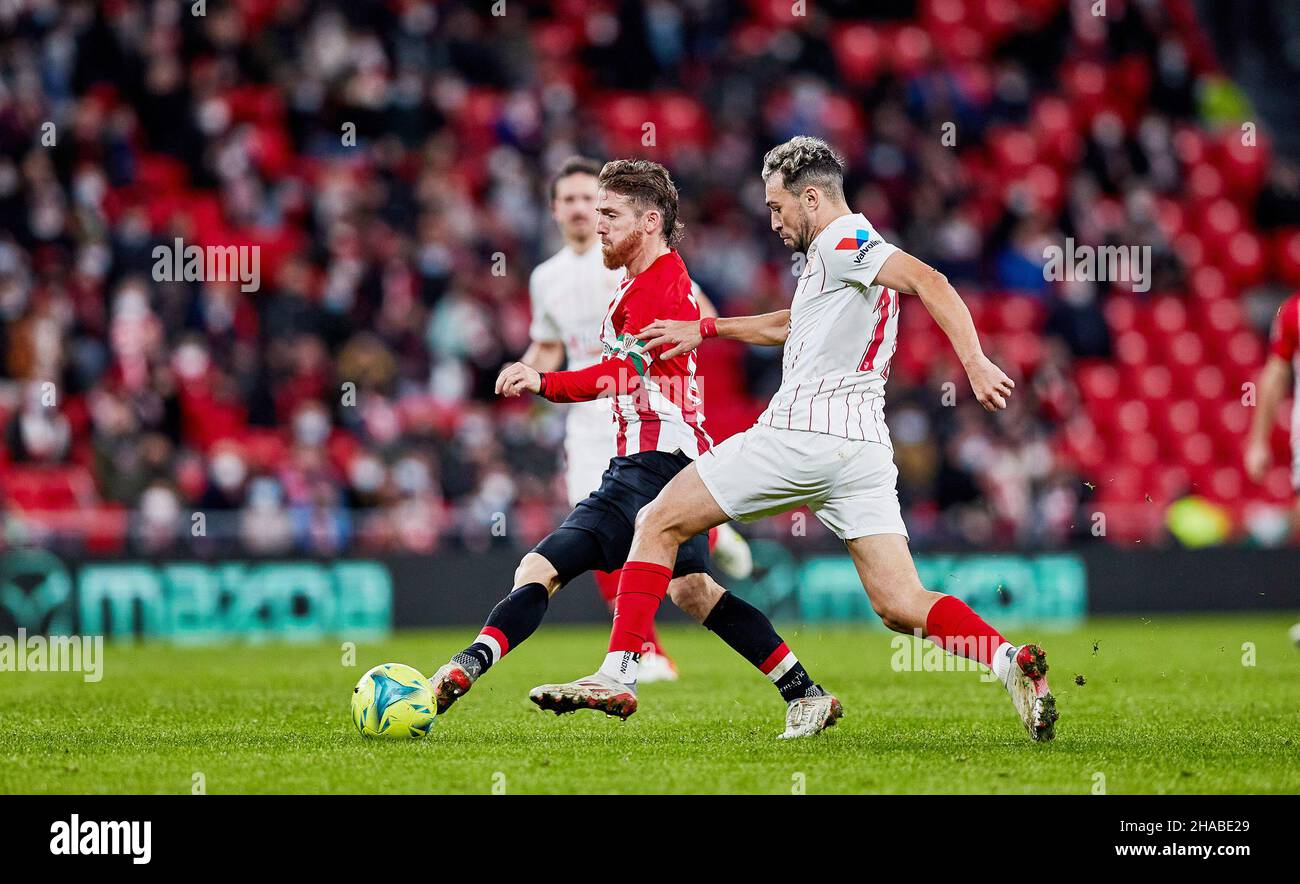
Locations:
679 335
518 378
1258 459
991 385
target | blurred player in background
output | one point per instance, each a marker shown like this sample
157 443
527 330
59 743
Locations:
1277 376
569 294
823 441
1279 373
658 409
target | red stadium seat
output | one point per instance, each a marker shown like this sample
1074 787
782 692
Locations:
1286 256
859 53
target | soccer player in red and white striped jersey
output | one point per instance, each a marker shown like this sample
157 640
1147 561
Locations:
1282 368
823 442
659 414
1283 360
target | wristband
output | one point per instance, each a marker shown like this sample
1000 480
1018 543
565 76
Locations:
709 327
541 384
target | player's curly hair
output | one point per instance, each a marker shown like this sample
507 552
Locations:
805 160
649 186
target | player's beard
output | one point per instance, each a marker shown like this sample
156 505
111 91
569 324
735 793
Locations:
804 238
621 255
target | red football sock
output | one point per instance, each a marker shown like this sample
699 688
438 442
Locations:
641 588
607 583
652 641
952 625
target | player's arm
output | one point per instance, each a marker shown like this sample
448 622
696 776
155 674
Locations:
904 273
1272 390
546 352
609 377
544 355
684 335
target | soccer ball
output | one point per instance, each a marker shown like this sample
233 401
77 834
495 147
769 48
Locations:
393 701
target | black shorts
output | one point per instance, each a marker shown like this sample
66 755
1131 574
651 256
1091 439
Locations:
607 519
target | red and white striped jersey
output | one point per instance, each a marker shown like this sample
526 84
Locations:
657 402
1284 343
843 332
667 412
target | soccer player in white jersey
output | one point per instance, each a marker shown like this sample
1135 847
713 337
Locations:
569 294
823 441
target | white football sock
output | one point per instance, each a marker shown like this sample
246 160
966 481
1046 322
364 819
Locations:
621 666
1002 658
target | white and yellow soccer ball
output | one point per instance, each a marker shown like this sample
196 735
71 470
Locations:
393 701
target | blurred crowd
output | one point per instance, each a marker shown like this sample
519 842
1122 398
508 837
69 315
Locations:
390 161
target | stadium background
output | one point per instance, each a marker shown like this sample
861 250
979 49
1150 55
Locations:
342 413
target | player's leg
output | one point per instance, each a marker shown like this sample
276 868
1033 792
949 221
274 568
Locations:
607 586
681 511
884 563
655 665
643 583
680 514
562 555
747 631
587 458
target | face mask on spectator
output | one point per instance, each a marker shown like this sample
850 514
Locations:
190 361
228 471
159 507
311 427
412 476
367 474
264 493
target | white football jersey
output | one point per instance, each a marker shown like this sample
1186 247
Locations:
843 332
570 294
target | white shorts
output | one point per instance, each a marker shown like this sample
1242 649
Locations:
850 484
590 440
585 460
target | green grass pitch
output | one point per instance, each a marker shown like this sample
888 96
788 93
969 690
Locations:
1167 707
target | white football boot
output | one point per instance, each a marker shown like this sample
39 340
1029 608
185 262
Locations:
807 716
600 692
1026 682
656 667
731 552
451 682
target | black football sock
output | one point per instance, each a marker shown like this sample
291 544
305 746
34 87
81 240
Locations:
514 618
749 633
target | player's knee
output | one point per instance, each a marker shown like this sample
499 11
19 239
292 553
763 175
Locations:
656 518
898 607
695 594
535 568
891 615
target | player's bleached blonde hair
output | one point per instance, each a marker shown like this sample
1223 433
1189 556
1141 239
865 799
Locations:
803 161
